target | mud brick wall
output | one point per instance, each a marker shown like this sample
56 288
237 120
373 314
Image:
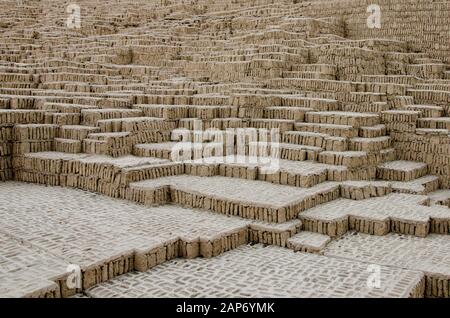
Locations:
430 148
350 61
31 138
423 23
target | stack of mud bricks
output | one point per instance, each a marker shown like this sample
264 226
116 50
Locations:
38 169
400 120
154 130
67 145
119 145
87 172
359 190
362 102
70 138
267 213
28 139
428 146
107 178
97 175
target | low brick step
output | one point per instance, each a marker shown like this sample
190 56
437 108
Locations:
183 150
90 117
286 151
65 107
432 132
395 79
352 119
369 144
218 123
210 135
159 150
164 111
18 77
394 212
440 197
437 96
78 132
313 84
365 97
68 145
384 155
20 85
304 138
321 68
299 152
372 107
434 123
309 242
351 159
429 111
105 136
162 99
94 146
281 124
425 60
308 75
286 100
401 170
63 118
316 103
419 186
434 85
22 116
398 102
210 99
249 199
211 112
389 89
134 124
324 141
174 112
361 190
400 120
303 174
288 113
34 132
373 131
434 70
447 75
329 129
